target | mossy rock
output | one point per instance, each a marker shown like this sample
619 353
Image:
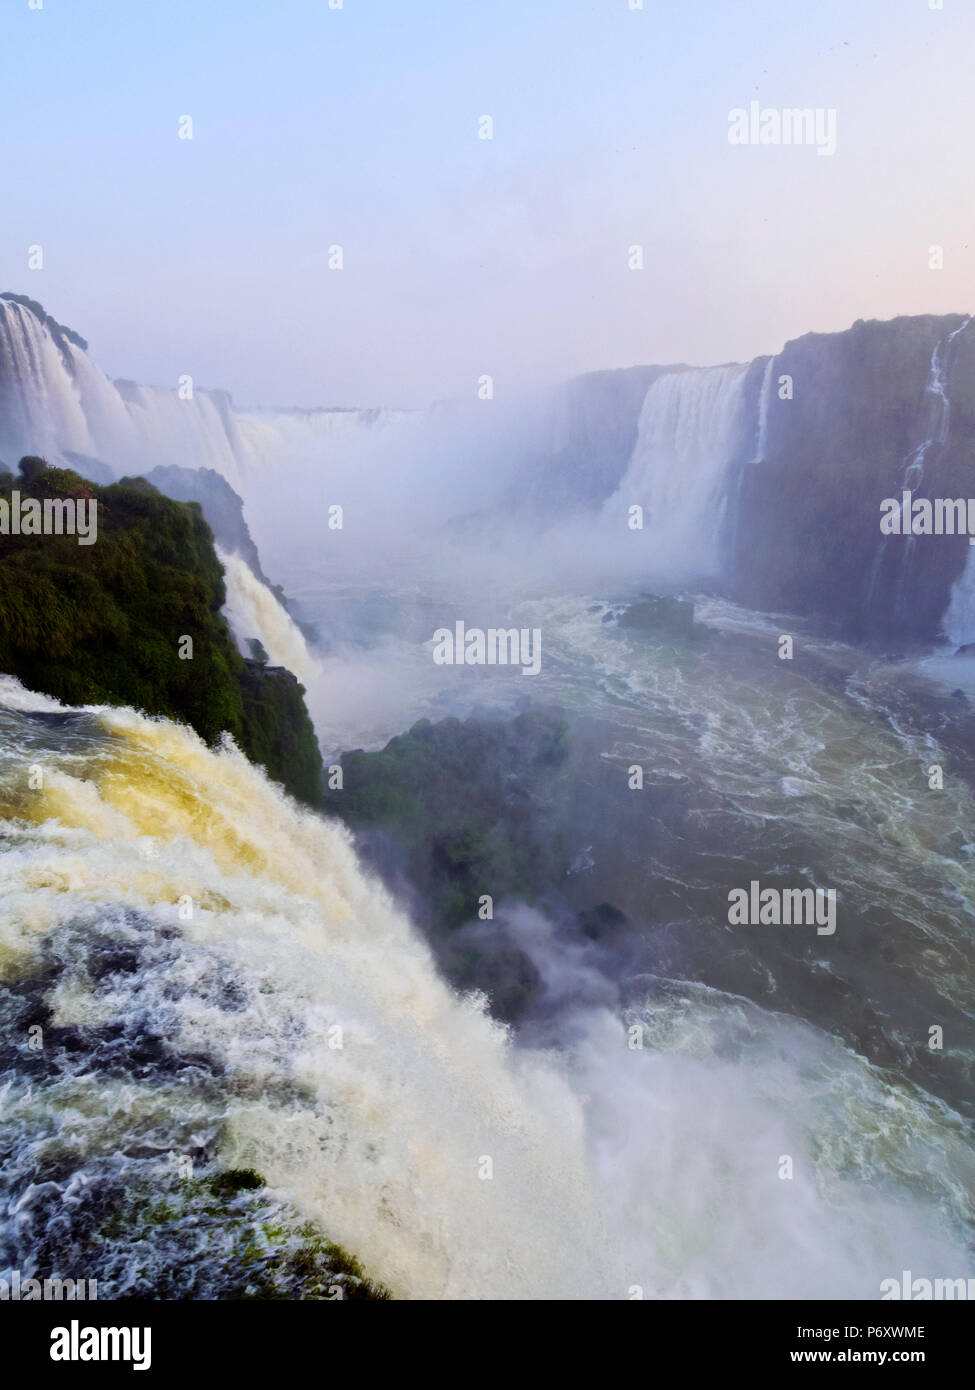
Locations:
234 1180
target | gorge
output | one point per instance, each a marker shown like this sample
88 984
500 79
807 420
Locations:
719 458
286 1018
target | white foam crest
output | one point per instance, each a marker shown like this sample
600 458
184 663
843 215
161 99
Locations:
14 695
691 427
608 1168
254 611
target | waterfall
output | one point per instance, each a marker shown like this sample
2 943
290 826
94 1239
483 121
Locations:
936 392
765 396
219 978
55 401
379 1138
691 431
252 610
49 402
937 388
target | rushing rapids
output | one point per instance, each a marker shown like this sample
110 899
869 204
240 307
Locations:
170 894
218 981
197 978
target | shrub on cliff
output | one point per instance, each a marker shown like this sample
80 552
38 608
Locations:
467 802
106 623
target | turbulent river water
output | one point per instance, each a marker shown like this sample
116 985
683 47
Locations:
218 978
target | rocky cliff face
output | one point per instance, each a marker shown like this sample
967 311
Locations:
221 506
765 480
593 428
874 410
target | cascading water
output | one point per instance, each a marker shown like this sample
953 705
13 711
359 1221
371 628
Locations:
959 618
691 429
376 1129
252 610
764 398
53 400
217 980
733 511
45 397
936 391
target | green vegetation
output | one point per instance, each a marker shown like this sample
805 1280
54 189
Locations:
278 732
465 801
243 1244
233 1180
107 623
503 806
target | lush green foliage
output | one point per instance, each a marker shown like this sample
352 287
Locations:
106 623
278 732
465 801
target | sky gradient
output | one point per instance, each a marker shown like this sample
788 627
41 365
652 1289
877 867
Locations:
359 127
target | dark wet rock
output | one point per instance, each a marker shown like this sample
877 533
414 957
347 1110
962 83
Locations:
660 615
601 920
805 534
501 971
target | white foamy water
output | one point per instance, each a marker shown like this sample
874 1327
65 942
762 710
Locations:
254 611
764 398
55 399
610 1167
691 425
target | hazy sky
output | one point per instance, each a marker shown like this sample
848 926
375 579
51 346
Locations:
359 126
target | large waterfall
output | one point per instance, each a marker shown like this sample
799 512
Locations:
959 619
54 401
52 398
328 1053
939 408
692 428
220 981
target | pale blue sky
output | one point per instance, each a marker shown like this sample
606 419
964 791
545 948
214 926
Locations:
359 126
